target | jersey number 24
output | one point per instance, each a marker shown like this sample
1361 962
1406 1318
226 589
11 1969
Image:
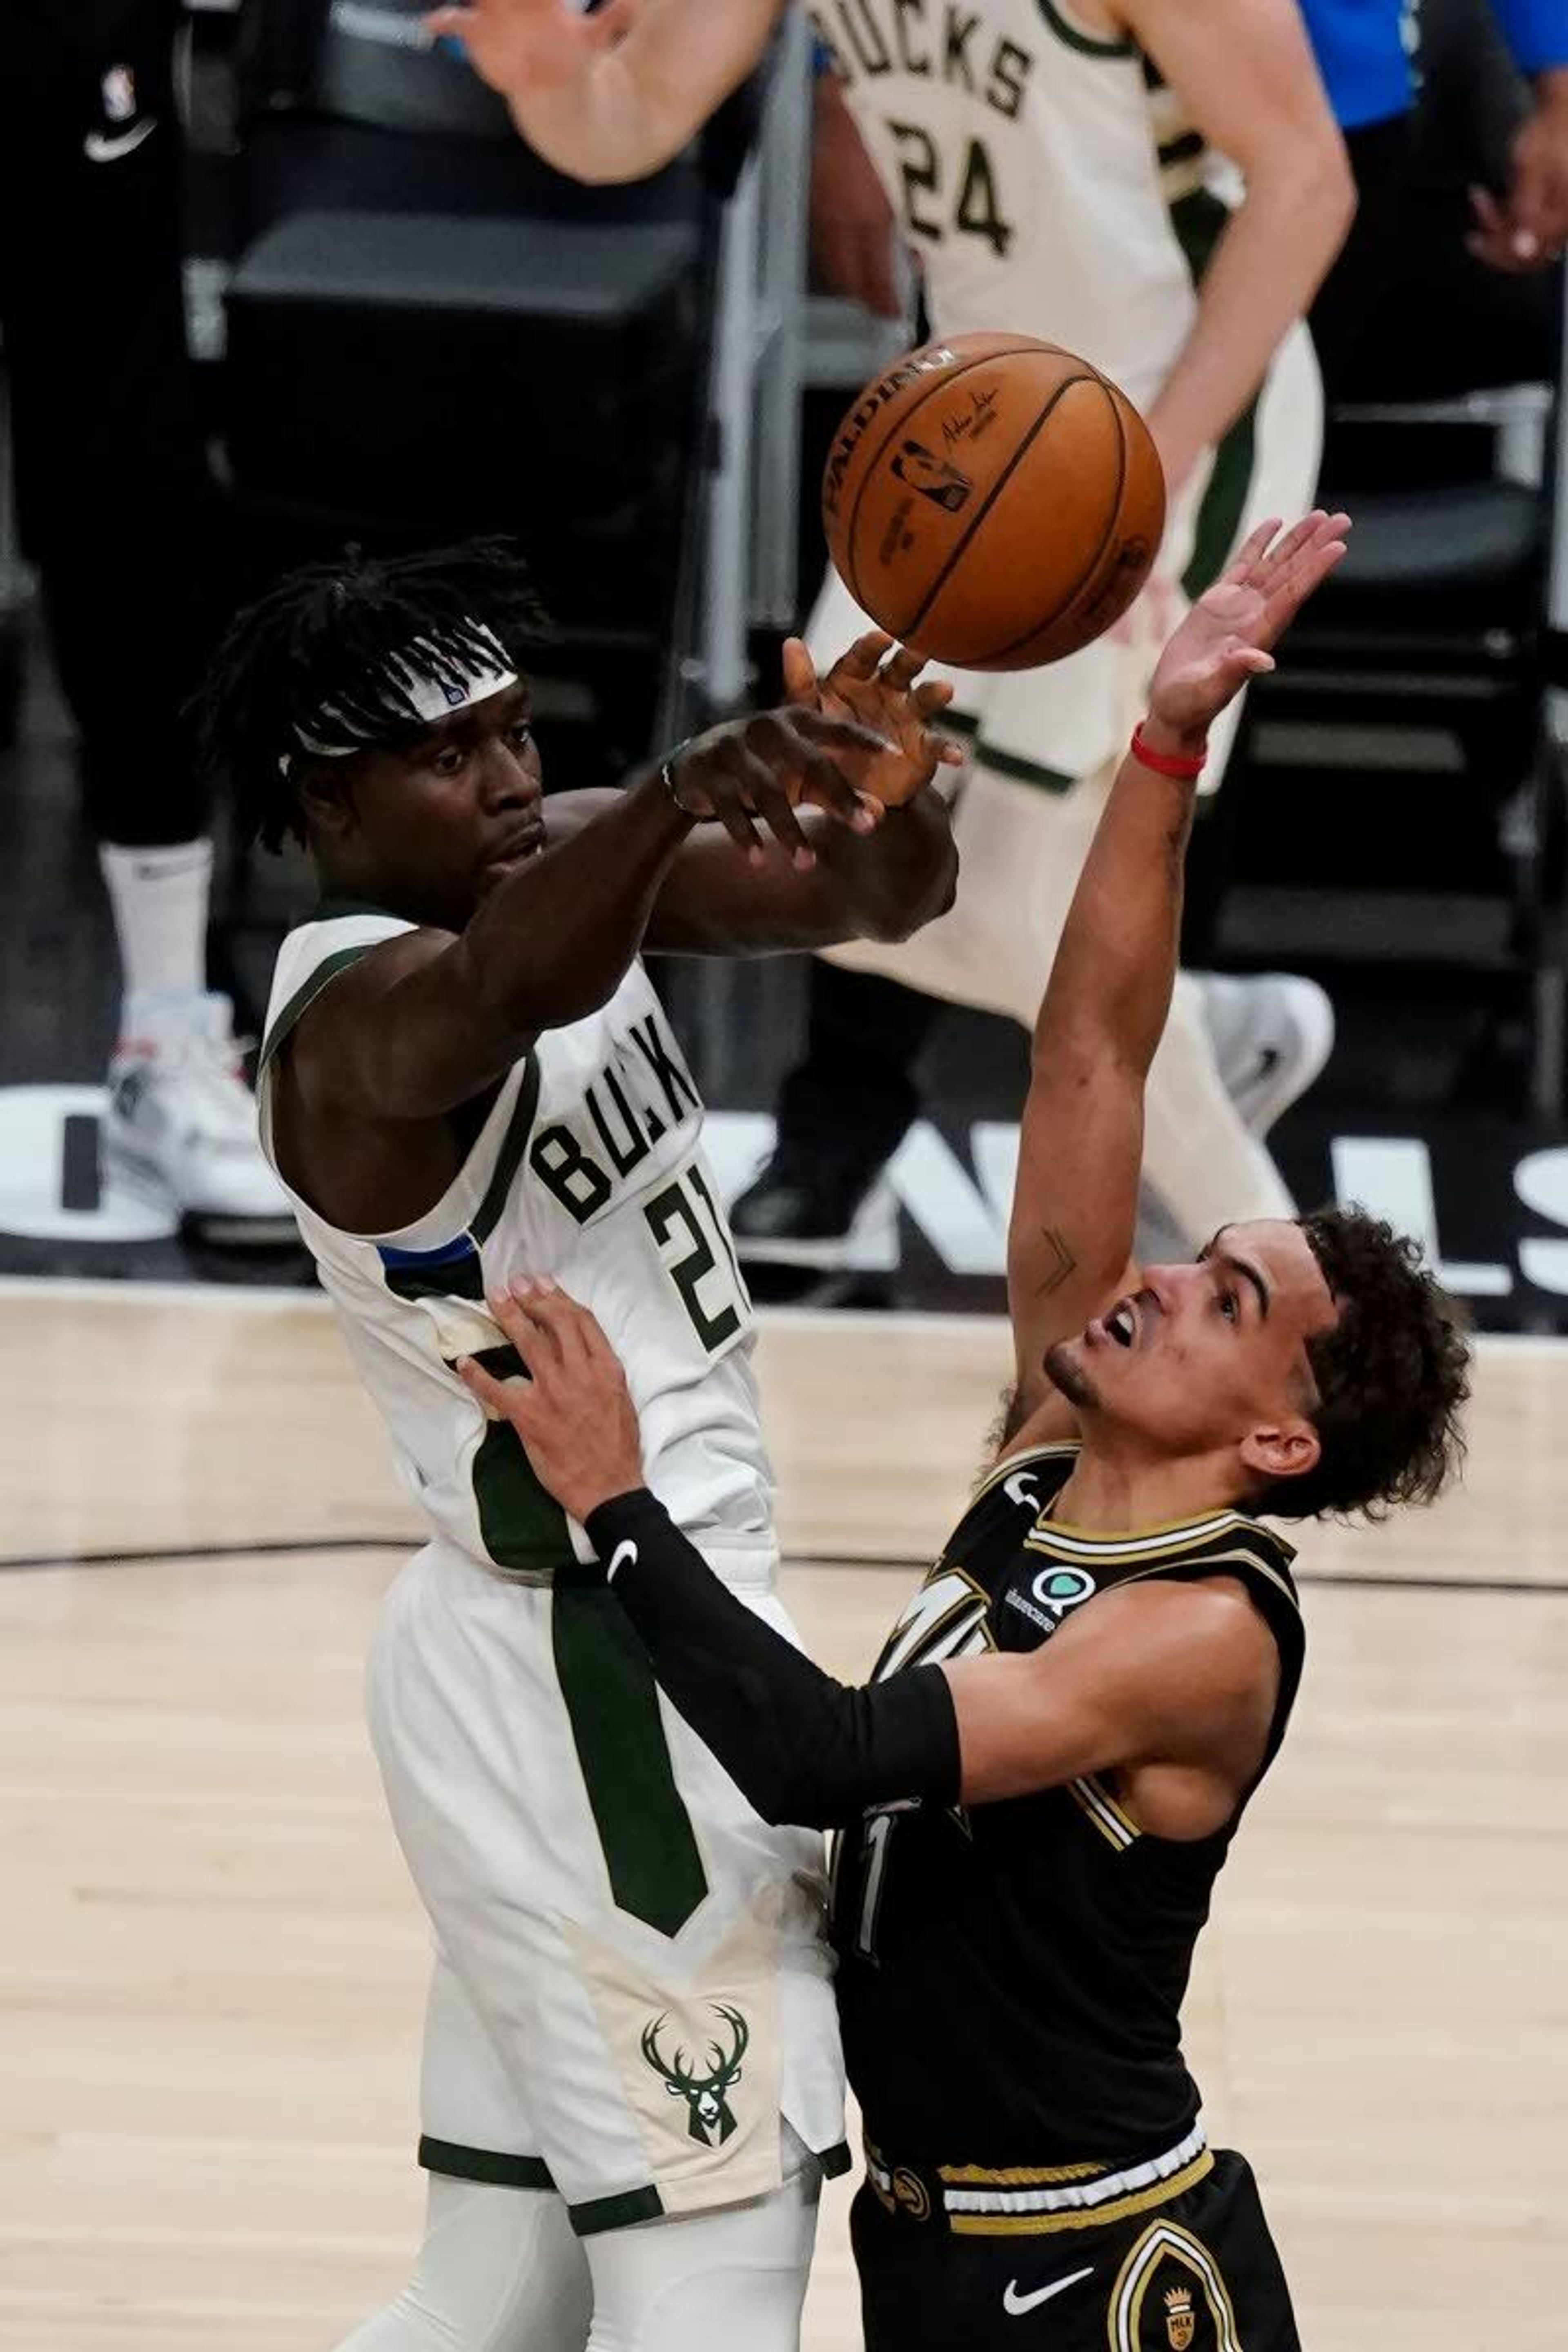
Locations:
975 211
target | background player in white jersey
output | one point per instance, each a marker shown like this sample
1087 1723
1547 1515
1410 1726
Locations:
464 1068
1053 162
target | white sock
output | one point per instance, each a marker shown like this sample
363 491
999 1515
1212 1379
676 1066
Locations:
159 900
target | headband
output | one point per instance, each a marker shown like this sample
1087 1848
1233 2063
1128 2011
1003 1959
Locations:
434 687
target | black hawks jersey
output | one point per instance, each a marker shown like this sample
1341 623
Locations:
1011 1976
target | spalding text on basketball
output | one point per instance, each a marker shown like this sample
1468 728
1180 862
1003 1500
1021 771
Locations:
930 360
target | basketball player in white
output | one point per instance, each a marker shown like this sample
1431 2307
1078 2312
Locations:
632 2086
1055 163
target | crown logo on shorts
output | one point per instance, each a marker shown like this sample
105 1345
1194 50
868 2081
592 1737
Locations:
1181 2319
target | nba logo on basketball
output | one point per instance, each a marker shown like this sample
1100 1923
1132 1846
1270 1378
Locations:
931 476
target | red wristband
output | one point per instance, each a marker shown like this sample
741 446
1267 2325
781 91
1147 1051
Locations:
1163 763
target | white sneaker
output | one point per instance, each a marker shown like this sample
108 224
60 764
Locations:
180 1124
1272 1034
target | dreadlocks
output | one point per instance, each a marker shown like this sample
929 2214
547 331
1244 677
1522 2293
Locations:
335 638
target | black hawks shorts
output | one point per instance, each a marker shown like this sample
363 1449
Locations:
1199 2274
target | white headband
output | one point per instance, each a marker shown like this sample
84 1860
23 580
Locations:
431 695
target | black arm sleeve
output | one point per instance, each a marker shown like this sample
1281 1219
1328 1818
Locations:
801 1747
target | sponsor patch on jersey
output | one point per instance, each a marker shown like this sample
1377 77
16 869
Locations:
1051 1595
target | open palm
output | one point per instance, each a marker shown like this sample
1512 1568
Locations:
1226 637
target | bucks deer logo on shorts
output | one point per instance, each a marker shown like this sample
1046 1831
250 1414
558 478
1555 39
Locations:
1181 2319
711 2120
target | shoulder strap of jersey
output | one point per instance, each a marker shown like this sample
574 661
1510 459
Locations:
1259 1559
421 1257
312 957
1047 1467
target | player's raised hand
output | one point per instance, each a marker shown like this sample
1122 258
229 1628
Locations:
766 765
542 45
874 682
574 1412
1225 639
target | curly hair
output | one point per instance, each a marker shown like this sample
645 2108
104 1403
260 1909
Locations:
1392 1377
335 636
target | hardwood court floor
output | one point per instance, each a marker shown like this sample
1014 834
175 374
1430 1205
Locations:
211 1971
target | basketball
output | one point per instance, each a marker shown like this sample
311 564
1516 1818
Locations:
993 501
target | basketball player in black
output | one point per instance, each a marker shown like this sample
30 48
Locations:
1039 1786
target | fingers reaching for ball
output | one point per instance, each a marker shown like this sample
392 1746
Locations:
880 682
1226 637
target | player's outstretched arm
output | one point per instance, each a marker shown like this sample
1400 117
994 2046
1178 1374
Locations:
617 94
424 1023
1081 1144
1113 1688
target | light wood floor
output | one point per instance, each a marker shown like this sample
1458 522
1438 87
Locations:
211 1967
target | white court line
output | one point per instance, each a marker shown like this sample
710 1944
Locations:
922 1323
161 1294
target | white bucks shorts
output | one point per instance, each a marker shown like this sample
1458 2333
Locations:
632 1987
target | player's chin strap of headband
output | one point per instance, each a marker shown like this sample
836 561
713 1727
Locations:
431 691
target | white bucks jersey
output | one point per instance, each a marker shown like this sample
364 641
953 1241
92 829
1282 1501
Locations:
588 1168
1048 180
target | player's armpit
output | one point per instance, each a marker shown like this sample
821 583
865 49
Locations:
1160 1673
359 1049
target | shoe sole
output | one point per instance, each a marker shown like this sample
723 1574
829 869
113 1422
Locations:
827 1253
142 1175
1273 1097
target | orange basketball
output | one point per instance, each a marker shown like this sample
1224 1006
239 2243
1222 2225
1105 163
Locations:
993 501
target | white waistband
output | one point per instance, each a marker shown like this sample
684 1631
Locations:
1079 2196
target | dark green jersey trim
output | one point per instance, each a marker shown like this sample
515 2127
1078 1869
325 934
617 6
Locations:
509 1155
1182 148
455 2162
616 2212
612 1704
1199 220
1021 771
306 995
332 910
1089 44
1002 764
522 1525
453 1278
836 2161
1224 503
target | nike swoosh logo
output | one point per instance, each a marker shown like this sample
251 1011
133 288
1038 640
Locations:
108 147
1015 2305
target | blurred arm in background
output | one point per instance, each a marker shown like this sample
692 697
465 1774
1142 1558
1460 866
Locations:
614 95
1527 228
1246 73
854 234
